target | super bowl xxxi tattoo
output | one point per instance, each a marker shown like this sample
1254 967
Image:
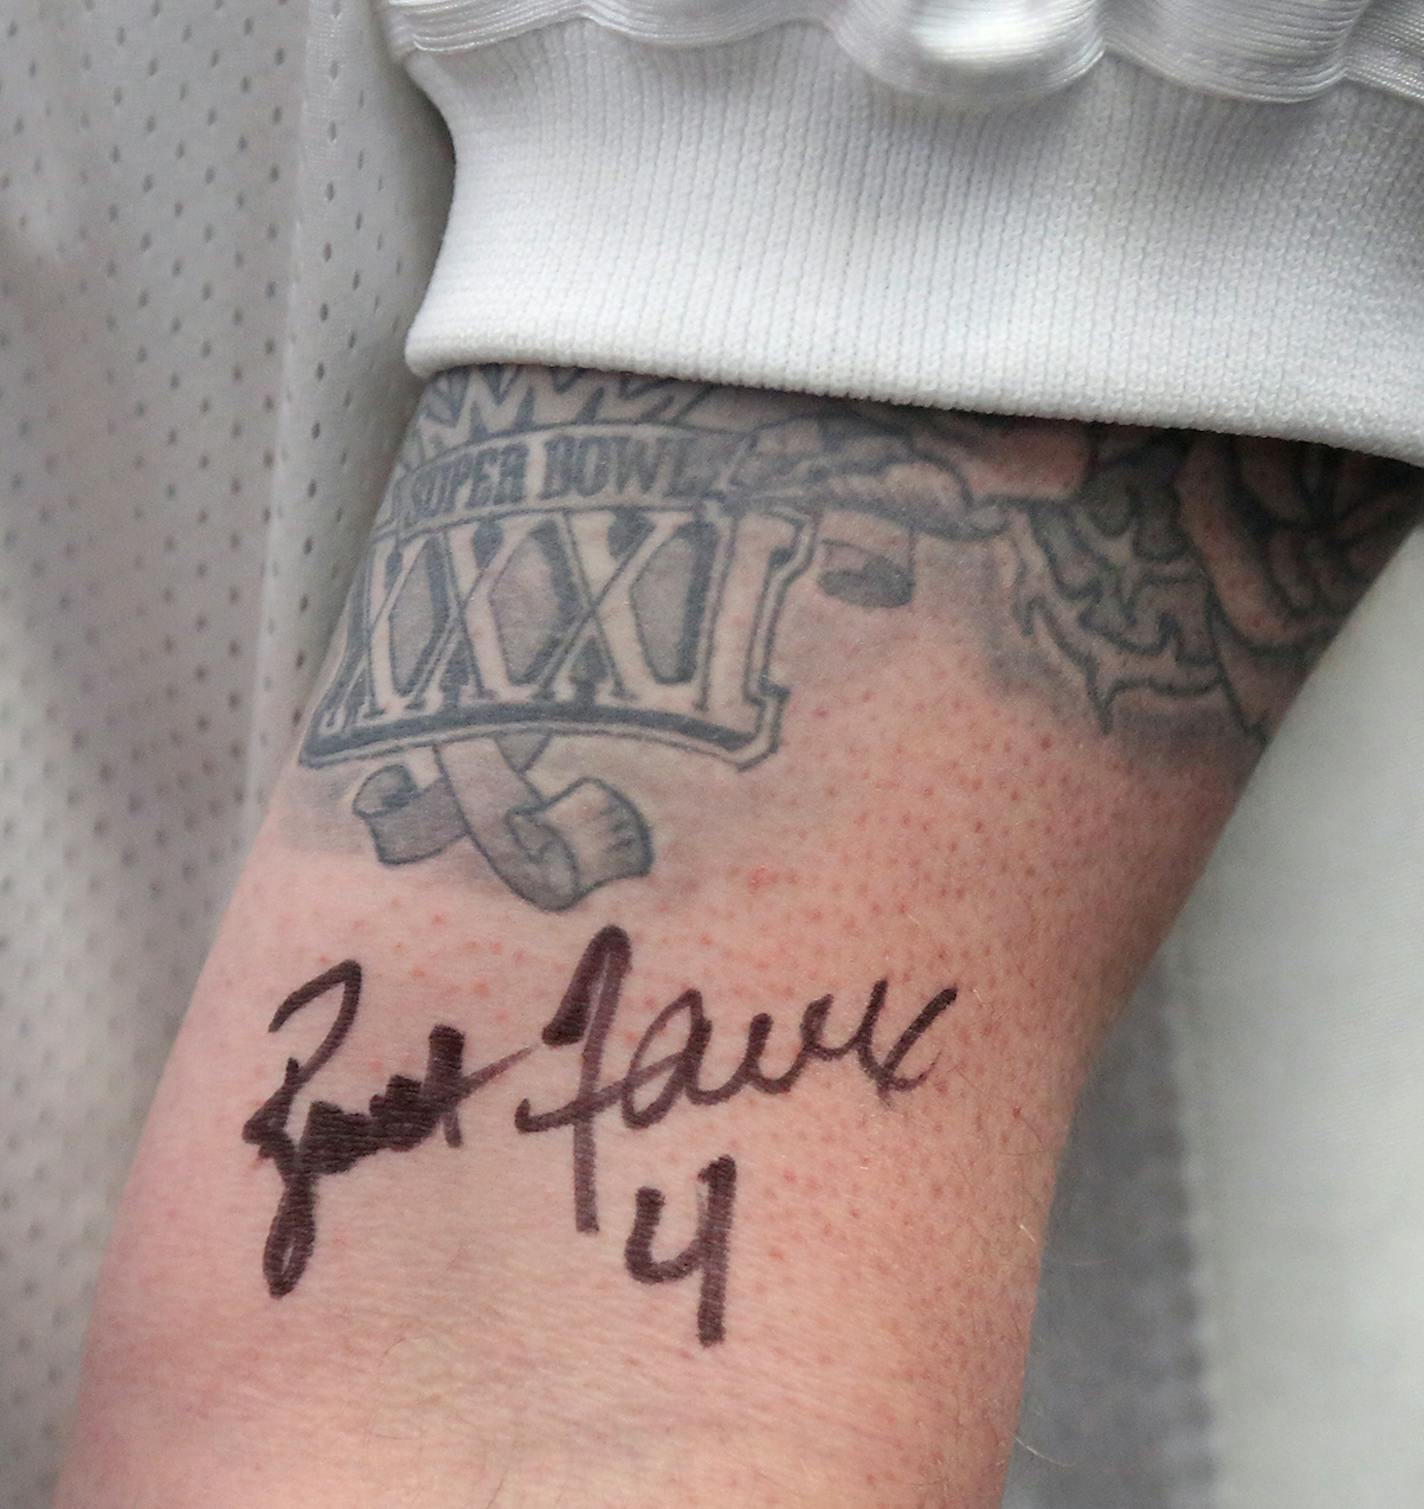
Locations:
572 554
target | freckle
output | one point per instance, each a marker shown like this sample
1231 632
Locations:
416 972
481 989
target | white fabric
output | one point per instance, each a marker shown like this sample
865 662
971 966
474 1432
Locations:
215 224
767 213
1298 970
991 51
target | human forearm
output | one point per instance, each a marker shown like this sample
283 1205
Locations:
1023 689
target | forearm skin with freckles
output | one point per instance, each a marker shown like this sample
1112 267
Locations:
634 1062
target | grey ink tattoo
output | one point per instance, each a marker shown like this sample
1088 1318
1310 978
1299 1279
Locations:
573 555
667 1064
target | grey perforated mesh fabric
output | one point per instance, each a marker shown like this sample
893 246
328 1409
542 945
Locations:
1113 1413
215 220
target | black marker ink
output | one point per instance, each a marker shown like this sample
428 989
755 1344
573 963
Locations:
586 1012
708 1249
334 1140
664 1070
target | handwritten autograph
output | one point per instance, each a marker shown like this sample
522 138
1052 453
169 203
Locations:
655 1082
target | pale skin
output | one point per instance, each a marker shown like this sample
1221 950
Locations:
1026 668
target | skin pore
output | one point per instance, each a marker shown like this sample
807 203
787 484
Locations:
634 1062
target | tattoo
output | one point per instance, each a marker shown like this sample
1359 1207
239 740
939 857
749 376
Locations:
333 1140
567 554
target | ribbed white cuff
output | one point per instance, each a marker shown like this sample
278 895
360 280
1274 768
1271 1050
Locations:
766 213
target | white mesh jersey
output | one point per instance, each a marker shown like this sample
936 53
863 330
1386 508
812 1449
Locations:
217 220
